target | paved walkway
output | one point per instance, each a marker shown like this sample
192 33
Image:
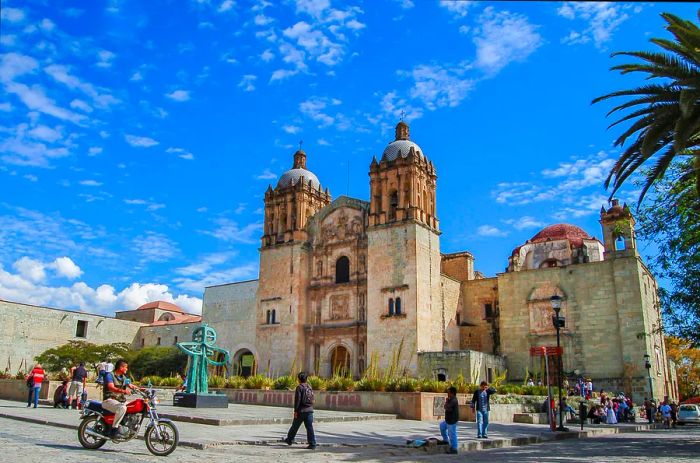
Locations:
382 432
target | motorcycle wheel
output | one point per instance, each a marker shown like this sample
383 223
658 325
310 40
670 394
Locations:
169 438
88 441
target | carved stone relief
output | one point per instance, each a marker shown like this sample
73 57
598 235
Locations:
340 309
540 308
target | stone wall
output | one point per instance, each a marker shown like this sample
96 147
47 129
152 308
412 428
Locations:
473 366
27 330
165 335
451 299
476 329
231 310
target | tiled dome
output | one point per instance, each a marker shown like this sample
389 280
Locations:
292 176
562 231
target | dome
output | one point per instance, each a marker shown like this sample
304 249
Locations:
562 231
400 148
162 305
292 176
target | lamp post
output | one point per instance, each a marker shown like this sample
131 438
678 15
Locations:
647 365
558 324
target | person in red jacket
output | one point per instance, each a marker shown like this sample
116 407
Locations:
34 380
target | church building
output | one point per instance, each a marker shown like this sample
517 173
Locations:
345 283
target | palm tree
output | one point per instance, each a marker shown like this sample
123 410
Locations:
666 115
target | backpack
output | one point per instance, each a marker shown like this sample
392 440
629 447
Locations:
307 397
30 381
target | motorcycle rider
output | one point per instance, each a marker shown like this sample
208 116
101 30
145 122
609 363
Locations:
116 388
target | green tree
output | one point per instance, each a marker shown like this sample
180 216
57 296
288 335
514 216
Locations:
157 360
74 352
672 220
666 115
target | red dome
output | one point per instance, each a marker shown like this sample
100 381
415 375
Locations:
562 231
162 305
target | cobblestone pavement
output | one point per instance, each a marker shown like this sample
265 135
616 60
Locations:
28 442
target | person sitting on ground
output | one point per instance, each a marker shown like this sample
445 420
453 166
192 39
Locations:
60 396
448 427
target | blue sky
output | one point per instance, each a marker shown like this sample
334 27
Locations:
137 138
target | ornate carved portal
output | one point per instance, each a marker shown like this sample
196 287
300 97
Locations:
540 308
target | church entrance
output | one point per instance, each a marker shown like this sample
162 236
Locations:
244 363
340 361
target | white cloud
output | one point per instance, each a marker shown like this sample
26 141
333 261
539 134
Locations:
90 183
490 230
291 128
266 175
94 150
81 105
458 8
62 75
267 56
247 82
435 86
198 282
45 133
12 15
181 153
314 108
31 177
502 37
397 107
140 142
6 107
65 267
262 20
226 5
281 74
105 58
34 147
524 223
150 204
136 76
600 20
31 269
154 247
47 25
179 95
228 231
323 142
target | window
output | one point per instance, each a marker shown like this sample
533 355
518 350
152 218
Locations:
393 204
267 320
459 321
489 375
143 342
391 307
397 310
158 341
274 316
175 340
488 310
81 329
342 270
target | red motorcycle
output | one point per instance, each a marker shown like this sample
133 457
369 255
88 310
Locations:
161 435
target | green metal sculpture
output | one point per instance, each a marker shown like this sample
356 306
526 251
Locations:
200 350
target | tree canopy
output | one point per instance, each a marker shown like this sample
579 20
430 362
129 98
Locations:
74 352
687 360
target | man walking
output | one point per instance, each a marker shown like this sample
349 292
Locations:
448 427
480 403
77 385
303 412
34 380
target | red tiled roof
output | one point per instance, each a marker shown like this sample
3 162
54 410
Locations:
162 305
184 318
562 231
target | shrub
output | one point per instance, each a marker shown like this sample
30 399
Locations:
217 381
317 383
235 382
171 381
462 386
157 360
285 383
153 380
258 382
371 384
433 385
340 383
406 384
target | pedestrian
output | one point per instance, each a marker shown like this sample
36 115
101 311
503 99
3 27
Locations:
674 414
480 403
530 382
665 410
566 408
77 385
303 412
34 380
589 388
448 427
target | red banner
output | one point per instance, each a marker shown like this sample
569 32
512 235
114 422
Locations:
548 351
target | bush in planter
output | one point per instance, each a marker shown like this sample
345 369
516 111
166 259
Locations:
462 386
153 380
217 381
340 383
433 385
171 381
285 383
371 384
258 382
317 383
406 384
235 382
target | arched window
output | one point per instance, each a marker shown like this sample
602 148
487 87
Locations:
391 306
267 320
393 204
342 270
398 306
274 316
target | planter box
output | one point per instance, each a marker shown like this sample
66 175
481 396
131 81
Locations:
16 389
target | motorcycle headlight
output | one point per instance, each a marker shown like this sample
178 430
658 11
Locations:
155 400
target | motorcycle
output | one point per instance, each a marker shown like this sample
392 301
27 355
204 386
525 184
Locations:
161 435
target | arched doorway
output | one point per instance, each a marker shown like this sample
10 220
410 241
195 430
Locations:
340 361
244 363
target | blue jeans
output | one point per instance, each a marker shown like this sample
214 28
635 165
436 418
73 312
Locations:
308 419
35 392
482 423
449 433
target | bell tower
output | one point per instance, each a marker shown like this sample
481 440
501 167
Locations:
618 230
288 207
402 184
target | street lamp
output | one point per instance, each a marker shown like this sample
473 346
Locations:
559 323
647 365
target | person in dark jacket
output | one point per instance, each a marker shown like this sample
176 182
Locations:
303 412
448 427
480 404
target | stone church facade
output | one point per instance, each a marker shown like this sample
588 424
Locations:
344 283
